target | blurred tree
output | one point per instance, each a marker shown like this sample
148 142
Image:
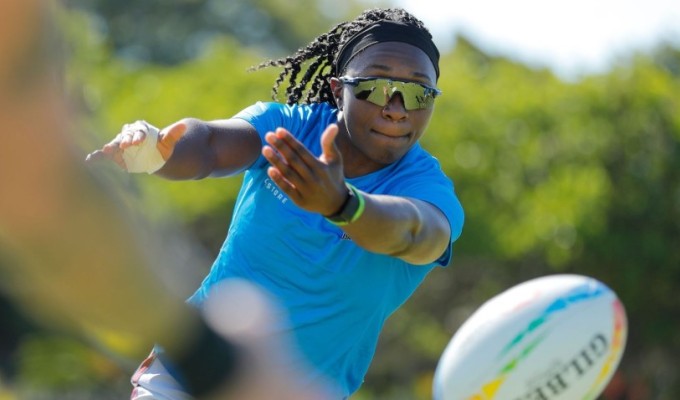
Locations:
667 57
555 177
168 32
637 249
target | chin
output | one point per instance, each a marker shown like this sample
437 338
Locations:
387 158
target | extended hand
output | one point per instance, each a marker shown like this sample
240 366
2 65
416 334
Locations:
315 184
135 135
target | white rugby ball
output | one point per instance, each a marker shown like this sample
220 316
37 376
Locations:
554 337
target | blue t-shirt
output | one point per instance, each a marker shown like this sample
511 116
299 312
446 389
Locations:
336 294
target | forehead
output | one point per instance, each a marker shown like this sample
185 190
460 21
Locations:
393 60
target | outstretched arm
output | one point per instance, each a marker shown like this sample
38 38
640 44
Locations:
407 228
190 148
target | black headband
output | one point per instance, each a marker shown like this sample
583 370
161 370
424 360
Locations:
386 31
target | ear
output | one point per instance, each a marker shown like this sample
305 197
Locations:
336 89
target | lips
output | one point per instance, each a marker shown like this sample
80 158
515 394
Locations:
392 135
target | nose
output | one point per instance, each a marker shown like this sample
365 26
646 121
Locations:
395 109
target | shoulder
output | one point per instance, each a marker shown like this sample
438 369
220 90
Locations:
419 161
302 120
287 111
419 175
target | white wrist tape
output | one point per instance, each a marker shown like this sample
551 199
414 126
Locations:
144 157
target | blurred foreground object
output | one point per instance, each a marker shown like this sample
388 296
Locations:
74 257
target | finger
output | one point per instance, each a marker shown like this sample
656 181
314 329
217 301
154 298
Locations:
168 138
110 148
99 156
287 160
170 135
330 153
126 140
294 154
296 146
138 137
281 165
113 145
285 185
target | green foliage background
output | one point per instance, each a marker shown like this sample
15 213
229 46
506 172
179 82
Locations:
570 177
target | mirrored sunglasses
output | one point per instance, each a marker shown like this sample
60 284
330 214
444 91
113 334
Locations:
379 91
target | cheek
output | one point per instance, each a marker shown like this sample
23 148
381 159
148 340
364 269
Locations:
421 119
360 115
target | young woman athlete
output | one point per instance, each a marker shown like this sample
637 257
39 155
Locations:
342 213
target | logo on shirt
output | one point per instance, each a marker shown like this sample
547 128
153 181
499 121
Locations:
275 191
280 196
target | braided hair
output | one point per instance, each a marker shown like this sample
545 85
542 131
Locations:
320 55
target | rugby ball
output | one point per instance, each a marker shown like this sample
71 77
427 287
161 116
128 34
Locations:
554 337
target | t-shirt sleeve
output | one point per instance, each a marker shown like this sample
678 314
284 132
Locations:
426 181
264 117
304 122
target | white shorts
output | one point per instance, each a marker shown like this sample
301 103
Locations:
153 381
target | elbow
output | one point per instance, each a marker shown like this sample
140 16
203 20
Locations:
426 244
413 248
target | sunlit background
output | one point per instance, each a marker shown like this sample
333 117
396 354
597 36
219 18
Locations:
559 124
572 38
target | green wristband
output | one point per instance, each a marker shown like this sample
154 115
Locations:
351 210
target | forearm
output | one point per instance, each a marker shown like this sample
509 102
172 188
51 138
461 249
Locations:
410 229
192 157
216 148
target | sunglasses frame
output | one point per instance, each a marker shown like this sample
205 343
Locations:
390 87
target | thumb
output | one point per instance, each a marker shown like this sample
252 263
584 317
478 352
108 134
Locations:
168 138
330 153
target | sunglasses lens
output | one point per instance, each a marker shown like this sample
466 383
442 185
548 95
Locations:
380 91
416 96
